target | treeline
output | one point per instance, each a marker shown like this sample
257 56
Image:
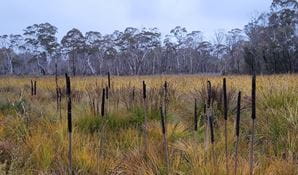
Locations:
267 44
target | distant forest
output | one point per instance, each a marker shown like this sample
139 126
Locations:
268 44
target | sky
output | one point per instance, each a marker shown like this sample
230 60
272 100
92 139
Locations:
106 16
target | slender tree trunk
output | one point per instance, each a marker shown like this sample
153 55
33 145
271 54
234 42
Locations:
90 66
9 60
73 65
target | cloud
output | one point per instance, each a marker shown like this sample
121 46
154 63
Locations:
109 15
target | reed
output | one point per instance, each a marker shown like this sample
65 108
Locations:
34 89
211 129
208 112
57 87
212 141
59 102
225 120
237 131
133 97
253 116
69 121
206 123
209 93
103 102
210 120
165 100
108 100
195 116
145 116
164 136
109 80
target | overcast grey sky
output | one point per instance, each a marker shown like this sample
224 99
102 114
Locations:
109 15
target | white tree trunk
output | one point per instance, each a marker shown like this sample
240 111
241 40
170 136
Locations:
9 59
90 66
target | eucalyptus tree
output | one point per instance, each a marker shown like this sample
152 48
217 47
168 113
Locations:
169 61
272 45
148 44
220 50
128 45
138 46
207 62
191 43
177 37
110 51
73 43
93 41
234 42
257 46
41 42
6 55
283 28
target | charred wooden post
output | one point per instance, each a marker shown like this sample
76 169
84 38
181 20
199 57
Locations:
69 121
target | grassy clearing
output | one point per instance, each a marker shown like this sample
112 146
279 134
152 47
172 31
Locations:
33 138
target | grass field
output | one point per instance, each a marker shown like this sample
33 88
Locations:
33 135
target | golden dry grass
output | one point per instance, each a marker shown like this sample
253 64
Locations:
33 138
